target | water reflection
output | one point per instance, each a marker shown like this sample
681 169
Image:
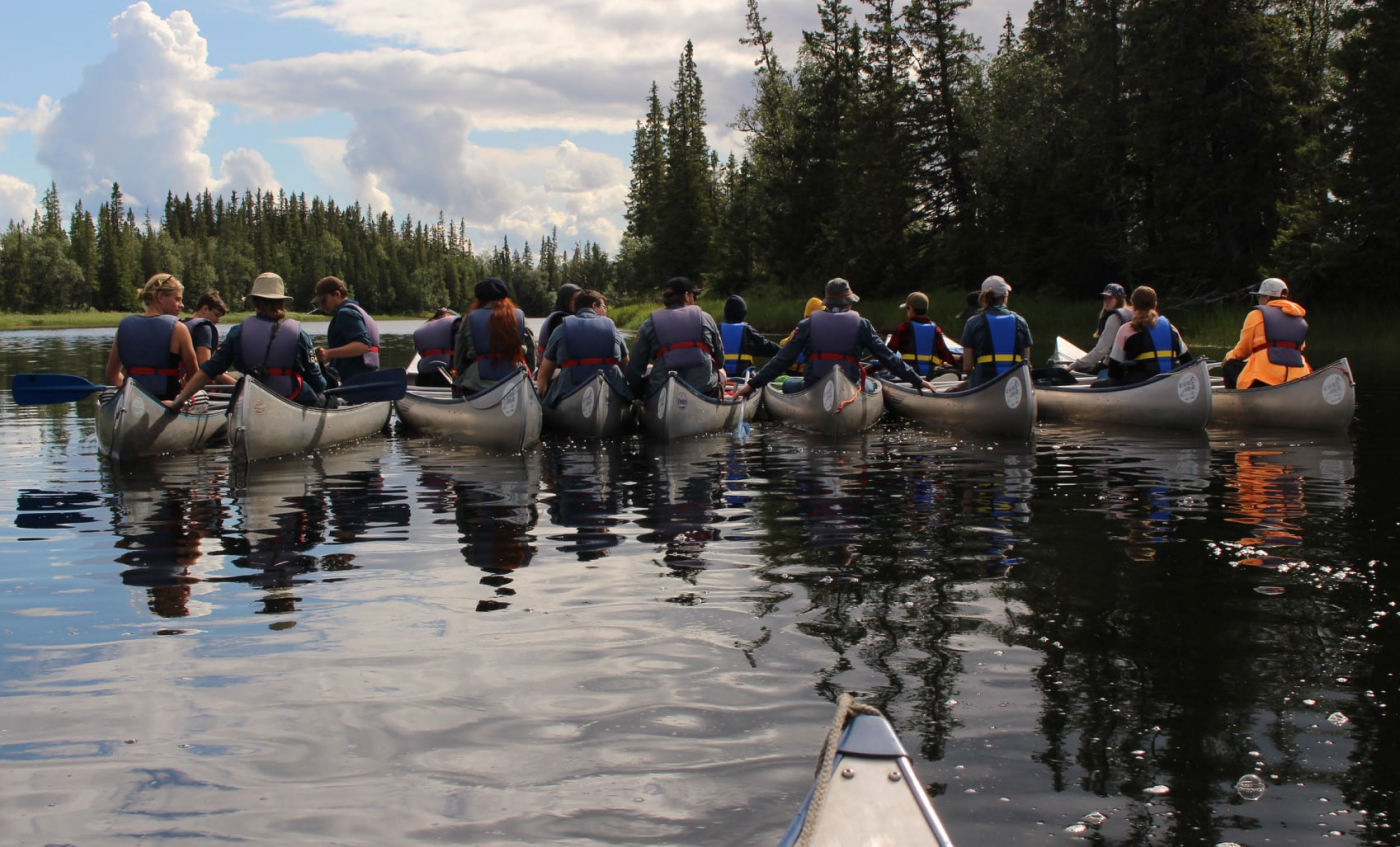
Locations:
167 520
679 502
584 477
492 499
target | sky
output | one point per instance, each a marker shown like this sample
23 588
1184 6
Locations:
515 118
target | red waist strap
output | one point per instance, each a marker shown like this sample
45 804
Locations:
1287 345
573 362
427 353
685 345
827 357
153 371
294 374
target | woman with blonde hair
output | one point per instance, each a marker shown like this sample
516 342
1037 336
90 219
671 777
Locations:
1147 345
154 346
493 341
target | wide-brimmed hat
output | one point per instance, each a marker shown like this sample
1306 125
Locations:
269 286
1113 289
1273 287
996 285
838 291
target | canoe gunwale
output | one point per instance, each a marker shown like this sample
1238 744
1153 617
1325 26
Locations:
806 409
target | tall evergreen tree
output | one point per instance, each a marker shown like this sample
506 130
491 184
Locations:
686 216
115 272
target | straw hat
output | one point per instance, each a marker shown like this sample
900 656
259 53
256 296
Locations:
269 286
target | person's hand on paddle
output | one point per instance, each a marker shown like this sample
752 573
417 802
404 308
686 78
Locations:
743 391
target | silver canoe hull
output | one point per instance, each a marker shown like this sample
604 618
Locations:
1004 406
263 424
817 408
132 424
675 410
1324 400
593 410
1180 399
871 795
506 416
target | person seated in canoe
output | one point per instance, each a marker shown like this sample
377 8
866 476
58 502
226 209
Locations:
204 329
795 369
681 338
1146 345
352 339
434 342
741 341
834 337
920 341
564 305
1114 314
996 339
1270 350
269 346
585 343
974 305
153 347
494 341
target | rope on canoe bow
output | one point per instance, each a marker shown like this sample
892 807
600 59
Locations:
860 386
846 708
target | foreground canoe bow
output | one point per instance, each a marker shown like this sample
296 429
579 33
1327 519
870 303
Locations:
506 416
1324 400
263 424
132 424
1003 406
675 410
866 791
834 405
592 410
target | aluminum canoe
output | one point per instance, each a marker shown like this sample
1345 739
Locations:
592 410
1004 406
263 424
1324 400
133 424
818 407
676 410
506 416
1178 399
869 796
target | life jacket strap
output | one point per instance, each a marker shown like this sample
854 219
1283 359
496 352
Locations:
999 357
575 362
153 372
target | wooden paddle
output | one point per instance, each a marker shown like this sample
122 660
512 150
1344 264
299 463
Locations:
43 389
372 387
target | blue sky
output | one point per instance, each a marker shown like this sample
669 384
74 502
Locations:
516 118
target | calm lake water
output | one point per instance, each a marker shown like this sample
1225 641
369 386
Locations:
401 642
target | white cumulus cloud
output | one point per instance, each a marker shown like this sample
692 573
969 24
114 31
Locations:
17 199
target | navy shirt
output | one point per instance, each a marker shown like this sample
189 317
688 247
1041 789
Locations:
347 325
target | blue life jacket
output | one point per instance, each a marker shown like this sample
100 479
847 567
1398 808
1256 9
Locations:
434 343
592 346
1160 358
143 345
1004 355
1284 336
493 365
736 358
833 340
277 352
925 352
680 339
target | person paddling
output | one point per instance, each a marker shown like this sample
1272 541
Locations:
835 337
154 348
268 345
1272 340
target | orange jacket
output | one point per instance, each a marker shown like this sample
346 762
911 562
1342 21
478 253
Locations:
1258 368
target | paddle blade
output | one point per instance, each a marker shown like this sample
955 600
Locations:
374 387
41 389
